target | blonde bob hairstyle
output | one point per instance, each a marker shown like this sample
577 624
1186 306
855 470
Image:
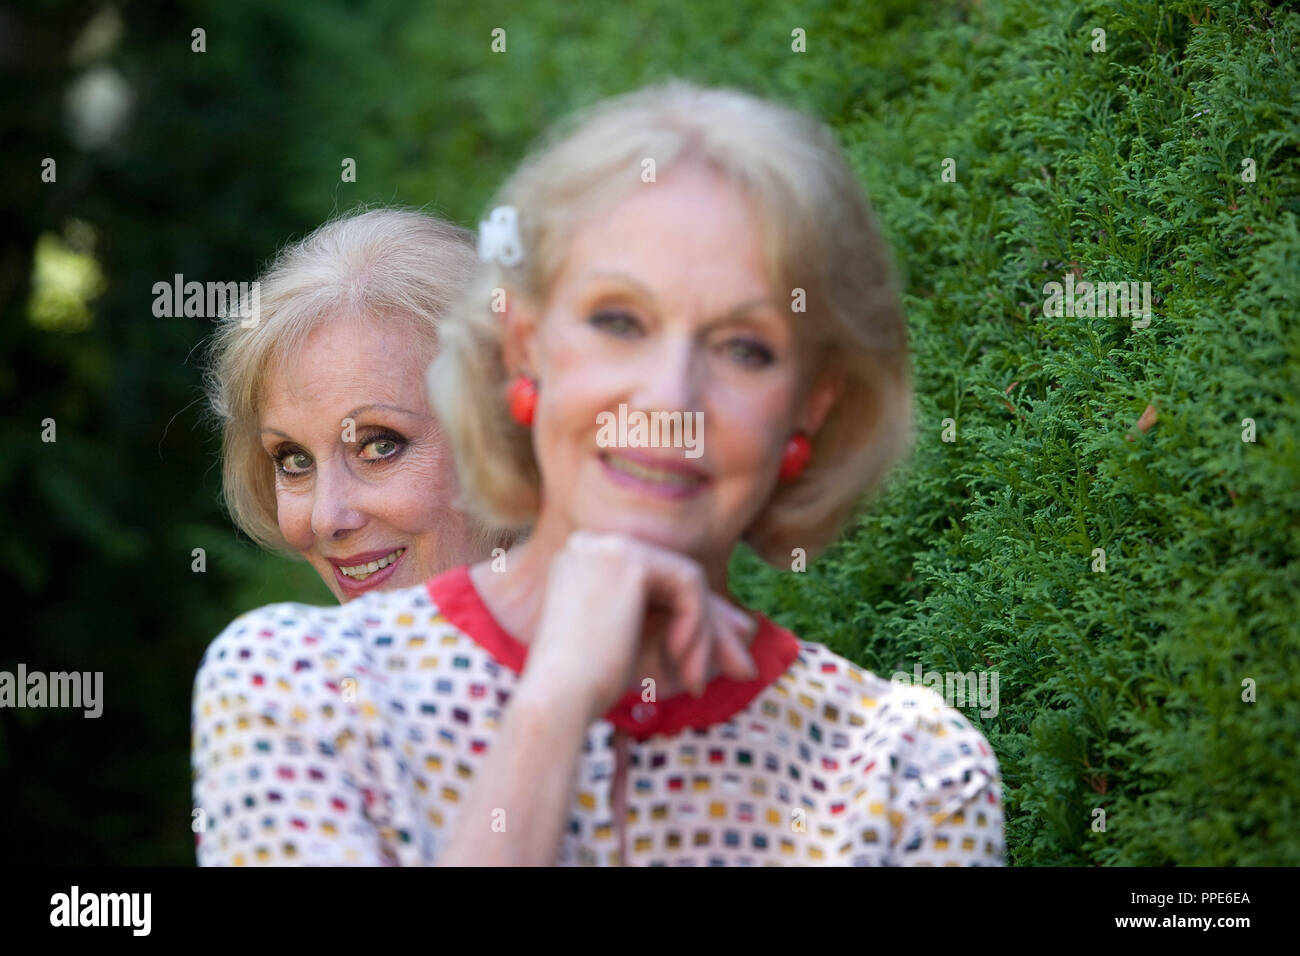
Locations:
820 237
378 265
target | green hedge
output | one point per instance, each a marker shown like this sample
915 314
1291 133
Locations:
1120 690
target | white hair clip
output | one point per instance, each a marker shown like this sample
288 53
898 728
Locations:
498 238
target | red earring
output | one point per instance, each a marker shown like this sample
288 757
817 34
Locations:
522 396
795 458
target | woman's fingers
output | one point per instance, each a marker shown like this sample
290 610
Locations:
680 583
609 588
698 667
724 640
732 652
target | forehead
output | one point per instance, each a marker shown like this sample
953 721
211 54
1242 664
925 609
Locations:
346 362
693 238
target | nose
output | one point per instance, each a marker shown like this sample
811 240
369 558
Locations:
334 511
670 378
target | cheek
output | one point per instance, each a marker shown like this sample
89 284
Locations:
576 362
564 440
418 497
750 428
573 393
293 515
575 403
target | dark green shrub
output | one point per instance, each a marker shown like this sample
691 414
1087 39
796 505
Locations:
1120 690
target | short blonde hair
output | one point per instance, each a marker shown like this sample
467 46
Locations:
377 264
819 236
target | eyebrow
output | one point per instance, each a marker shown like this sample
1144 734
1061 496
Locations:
359 410
645 293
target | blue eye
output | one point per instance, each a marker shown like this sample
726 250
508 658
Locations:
616 322
293 462
383 445
749 352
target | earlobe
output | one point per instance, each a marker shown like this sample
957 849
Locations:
519 328
821 399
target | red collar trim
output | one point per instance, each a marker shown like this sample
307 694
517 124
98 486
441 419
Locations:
774 649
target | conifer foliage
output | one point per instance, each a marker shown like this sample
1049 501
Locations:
1149 711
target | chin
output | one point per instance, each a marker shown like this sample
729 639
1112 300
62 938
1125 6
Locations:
668 536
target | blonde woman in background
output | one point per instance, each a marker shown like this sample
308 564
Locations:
329 450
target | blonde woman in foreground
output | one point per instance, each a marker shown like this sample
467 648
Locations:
594 696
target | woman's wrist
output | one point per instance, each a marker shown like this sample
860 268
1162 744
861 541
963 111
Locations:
542 702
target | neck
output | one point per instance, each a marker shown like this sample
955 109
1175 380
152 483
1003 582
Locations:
517 595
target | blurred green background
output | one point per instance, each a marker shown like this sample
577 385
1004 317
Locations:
1119 691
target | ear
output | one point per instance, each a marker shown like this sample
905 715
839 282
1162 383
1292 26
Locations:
821 398
518 335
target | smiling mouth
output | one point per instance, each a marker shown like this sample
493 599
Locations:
362 571
661 476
